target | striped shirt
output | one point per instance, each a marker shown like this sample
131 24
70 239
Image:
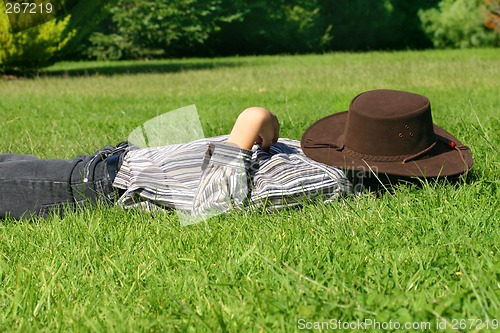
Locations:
209 176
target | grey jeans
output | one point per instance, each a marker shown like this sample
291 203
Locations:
30 186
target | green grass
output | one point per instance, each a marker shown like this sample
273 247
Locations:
416 255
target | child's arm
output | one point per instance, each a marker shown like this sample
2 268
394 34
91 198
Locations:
255 125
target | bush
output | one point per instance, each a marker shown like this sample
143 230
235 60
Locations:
368 25
112 47
146 29
263 27
492 14
458 24
29 50
5 37
85 18
143 29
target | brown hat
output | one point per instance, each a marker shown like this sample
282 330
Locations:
387 131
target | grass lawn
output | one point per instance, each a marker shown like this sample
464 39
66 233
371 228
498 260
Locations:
417 256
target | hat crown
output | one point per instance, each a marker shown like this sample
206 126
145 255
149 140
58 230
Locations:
389 123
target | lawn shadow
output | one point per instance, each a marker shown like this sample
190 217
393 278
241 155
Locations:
138 67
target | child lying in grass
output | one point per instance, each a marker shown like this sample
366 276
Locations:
384 132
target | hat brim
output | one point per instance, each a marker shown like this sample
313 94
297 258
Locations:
440 161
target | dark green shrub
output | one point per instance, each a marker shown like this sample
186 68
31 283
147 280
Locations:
111 47
368 25
85 18
208 27
142 28
263 27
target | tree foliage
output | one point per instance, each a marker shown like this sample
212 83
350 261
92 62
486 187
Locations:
132 29
144 28
29 50
85 17
491 14
368 25
458 24
263 27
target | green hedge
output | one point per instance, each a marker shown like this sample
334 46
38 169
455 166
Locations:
144 29
134 29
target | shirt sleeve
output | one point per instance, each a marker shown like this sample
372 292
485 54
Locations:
224 182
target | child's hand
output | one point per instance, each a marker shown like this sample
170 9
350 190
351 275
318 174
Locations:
255 125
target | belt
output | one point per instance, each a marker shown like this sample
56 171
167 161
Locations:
113 164
114 160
